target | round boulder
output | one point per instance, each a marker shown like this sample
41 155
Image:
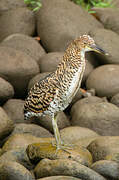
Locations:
8 4
6 90
115 99
50 61
15 171
6 124
18 68
108 169
65 167
102 117
104 80
59 178
32 129
19 20
14 109
58 32
74 133
25 44
109 42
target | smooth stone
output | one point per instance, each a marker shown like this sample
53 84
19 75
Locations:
17 155
65 167
84 142
26 44
105 147
115 99
109 45
102 117
108 169
10 107
22 141
36 79
59 32
88 69
46 121
104 80
59 178
50 61
6 90
74 133
41 150
32 129
10 22
14 171
18 68
6 124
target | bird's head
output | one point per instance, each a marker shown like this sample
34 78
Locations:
86 43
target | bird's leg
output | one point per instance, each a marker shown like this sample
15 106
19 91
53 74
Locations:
56 132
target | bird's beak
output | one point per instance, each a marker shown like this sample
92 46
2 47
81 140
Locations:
98 50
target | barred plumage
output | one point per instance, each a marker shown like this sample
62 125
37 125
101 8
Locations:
56 91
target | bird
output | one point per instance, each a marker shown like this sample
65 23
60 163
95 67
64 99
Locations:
55 92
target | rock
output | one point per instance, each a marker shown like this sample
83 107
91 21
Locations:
32 129
60 31
104 80
88 69
21 140
18 68
43 150
102 117
74 133
50 61
17 155
46 121
67 167
109 169
8 4
110 45
19 20
115 99
59 178
104 147
15 171
84 142
6 124
115 3
16 114
37 78
6 90
25 44
109 18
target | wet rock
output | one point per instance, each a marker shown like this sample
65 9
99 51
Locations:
32 129
16 114
17 155
50 61
104 147
110 45
60 31
46 121
8 4
24 43
102 117
21 140
20 20
43 150
104 80
74 133
59 178
15 171
6 124
109 18
115 99
67 167
6 90
18 68
37 78
108 169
